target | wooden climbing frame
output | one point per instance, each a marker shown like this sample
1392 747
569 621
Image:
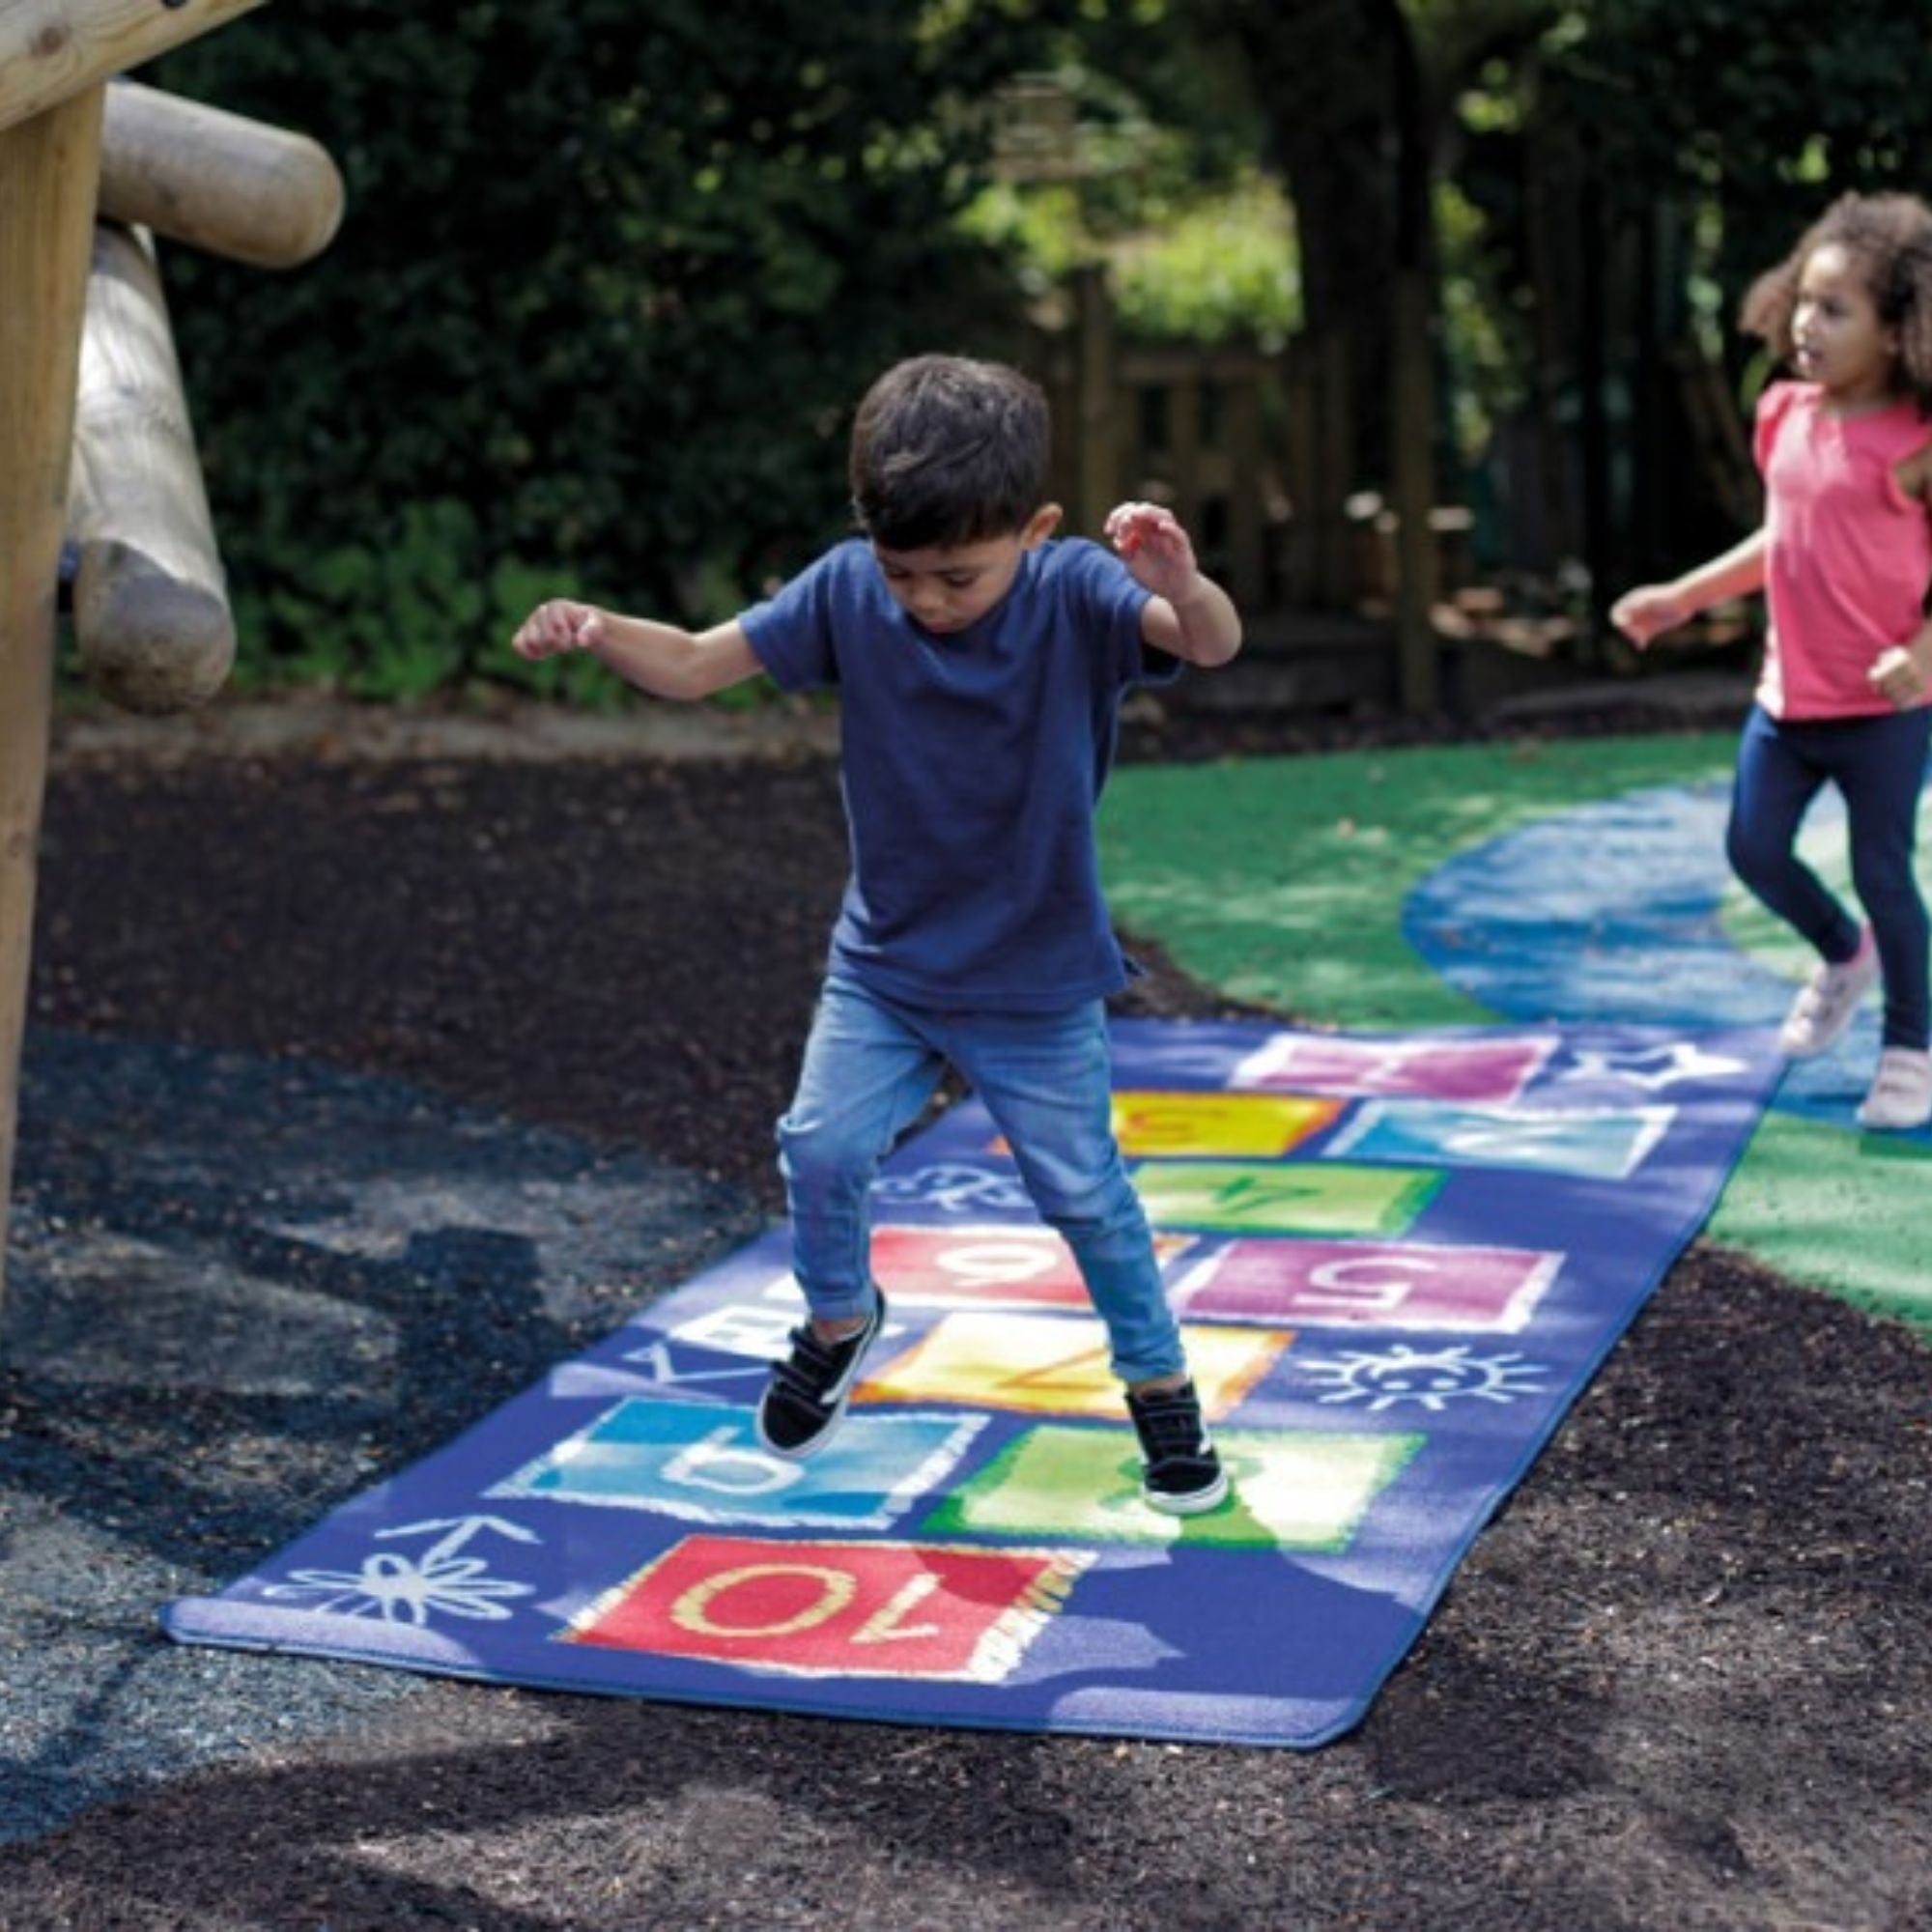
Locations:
86 168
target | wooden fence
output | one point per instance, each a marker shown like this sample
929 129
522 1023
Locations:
1253 449
1194 428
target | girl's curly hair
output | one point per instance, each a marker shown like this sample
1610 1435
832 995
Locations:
1890 237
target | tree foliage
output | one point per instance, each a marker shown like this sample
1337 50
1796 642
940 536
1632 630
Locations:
609 280
1759 112
612 274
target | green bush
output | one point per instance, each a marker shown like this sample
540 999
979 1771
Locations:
609 280
1211 264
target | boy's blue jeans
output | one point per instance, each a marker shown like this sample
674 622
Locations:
1879 765
871 1064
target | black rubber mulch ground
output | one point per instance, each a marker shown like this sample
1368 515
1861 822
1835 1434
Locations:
1685 1680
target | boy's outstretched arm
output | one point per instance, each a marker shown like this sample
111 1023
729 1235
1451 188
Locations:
1188 615
658 658
1651 608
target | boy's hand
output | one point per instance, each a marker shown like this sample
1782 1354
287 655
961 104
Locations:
1156 548
555 627
1901 678
1640 615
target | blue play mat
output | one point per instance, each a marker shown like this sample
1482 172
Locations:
1397 1259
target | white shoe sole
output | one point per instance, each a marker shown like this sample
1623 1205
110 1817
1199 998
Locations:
1199 1503
1884 1121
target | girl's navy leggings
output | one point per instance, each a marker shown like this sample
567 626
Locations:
1879 766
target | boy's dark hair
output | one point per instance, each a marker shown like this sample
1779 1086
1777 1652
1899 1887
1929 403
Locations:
1889 236
946 451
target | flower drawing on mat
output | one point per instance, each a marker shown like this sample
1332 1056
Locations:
1431 1378
401 1588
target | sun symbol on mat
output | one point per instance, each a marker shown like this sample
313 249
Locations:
402 1589
1431 1378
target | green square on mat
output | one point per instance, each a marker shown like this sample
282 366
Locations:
1263 1197
1303 1489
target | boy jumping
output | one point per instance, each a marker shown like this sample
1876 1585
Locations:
980 665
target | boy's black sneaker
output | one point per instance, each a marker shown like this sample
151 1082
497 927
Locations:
1182 1474
808 1389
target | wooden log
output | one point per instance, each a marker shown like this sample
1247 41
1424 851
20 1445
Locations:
49 171
150 601
51 50
216 181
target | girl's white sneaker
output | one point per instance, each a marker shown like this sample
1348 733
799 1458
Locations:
1828 1000
1901 1095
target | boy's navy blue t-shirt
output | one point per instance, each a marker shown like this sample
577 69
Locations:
972 764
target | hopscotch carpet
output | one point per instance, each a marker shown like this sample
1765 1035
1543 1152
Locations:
1397 1259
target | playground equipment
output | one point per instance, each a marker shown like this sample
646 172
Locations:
95 438
150 604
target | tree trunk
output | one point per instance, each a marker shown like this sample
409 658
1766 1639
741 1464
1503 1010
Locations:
1414 428
1351 121
1323 73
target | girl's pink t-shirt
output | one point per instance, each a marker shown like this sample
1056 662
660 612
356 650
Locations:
1849 557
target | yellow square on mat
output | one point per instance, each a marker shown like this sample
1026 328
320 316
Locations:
1257 1126
1056 1365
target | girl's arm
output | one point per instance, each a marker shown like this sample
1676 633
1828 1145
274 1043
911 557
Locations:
1640 615
658 658
1903 674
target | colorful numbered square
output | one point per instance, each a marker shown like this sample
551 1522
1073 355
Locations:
1292 1489
1059 1365
1368 1284
1598 1144
1268 1198
1476 1073
999 1267
1256 1127
837 1609
704 1463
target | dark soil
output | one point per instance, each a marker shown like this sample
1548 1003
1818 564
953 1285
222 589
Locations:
1685 1680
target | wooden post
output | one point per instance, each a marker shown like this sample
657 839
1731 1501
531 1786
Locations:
1303 409
1593 412
1183 447
218 181
49 174
1097 459
1415 453
1337 576
151 610
51 50
1241 416
1414 496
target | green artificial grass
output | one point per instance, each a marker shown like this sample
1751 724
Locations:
1281 881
